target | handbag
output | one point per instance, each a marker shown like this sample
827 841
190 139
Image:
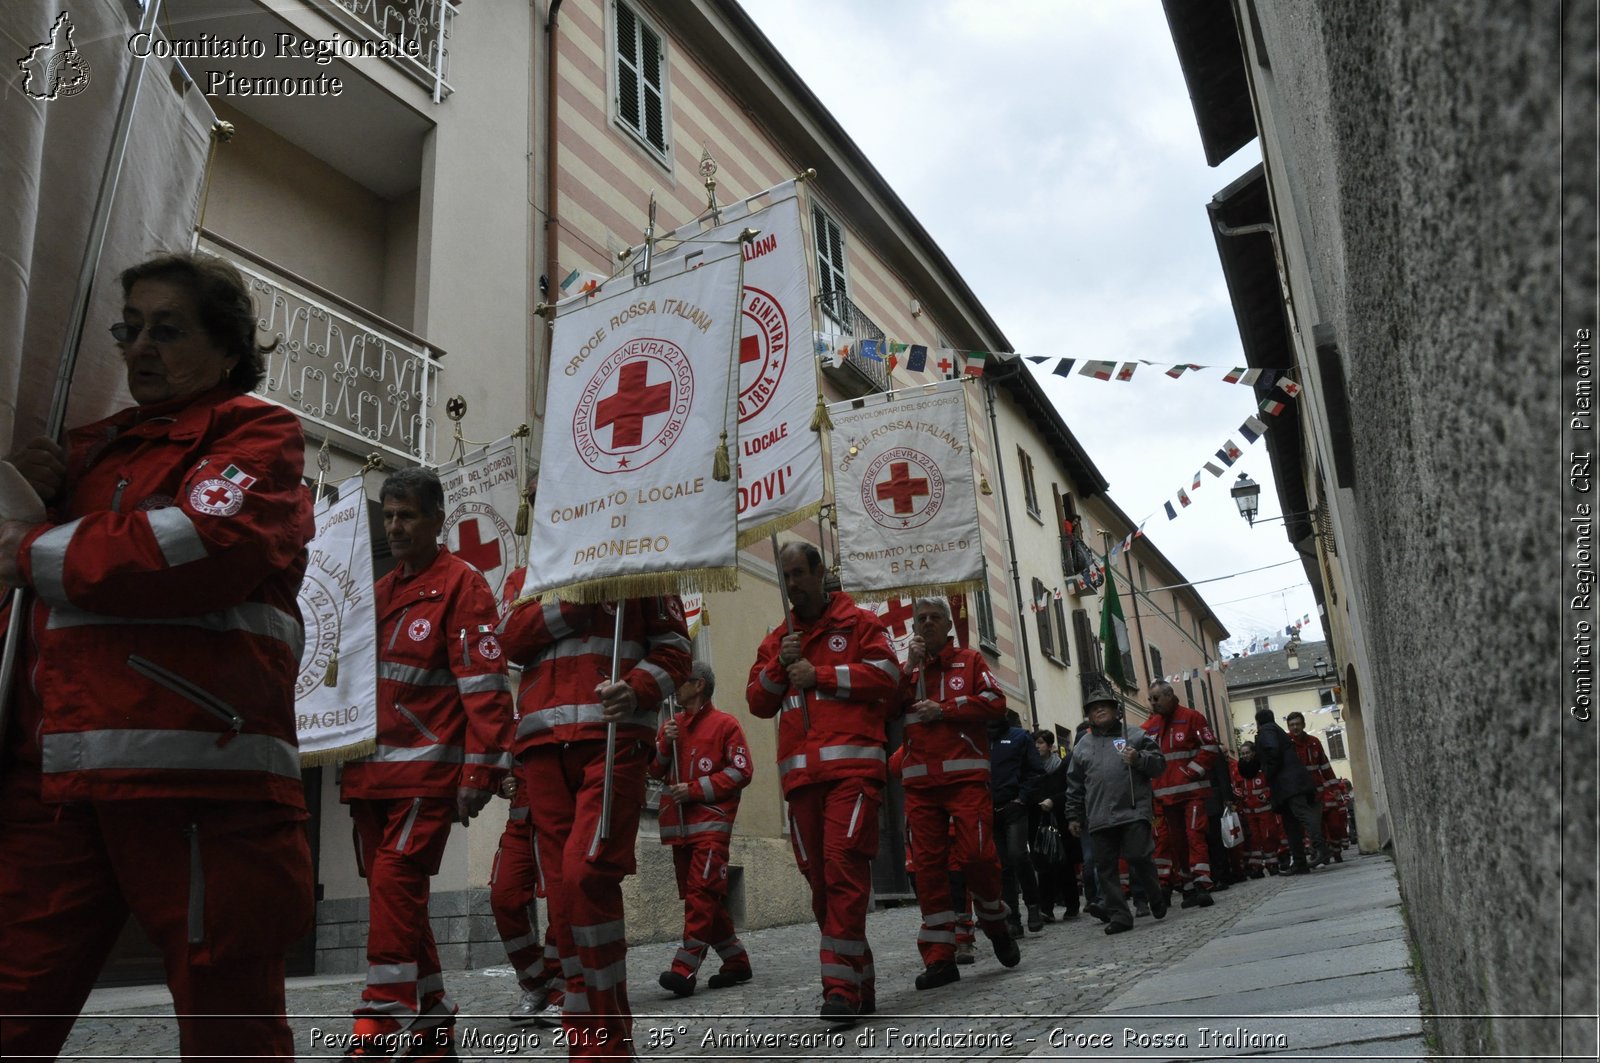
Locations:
1048 846
1232 829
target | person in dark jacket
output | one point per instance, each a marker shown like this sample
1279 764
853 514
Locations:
1109 795
1058 881
1014 767
1293 790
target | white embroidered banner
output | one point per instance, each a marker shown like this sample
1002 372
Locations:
338 722
906 495
641 393
481 495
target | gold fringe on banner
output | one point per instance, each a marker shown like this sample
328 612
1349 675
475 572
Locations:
324 757
782 522
644 584
922 590
820 421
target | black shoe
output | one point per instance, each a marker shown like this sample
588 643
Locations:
837 1009
1140 908
1158 907
724 979
1007 951
1100 912
1218 887
1070 913
1035 919
869 1006
1338 858
1302 868
681 985
1274 870
1118 928
1202 897
1047 914
1190 899
941 973
1258 873
1014 924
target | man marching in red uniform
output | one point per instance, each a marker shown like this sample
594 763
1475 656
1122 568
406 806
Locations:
949 696
702 754
444 723
1183 856
565 702
830 680
1263 831
1308 747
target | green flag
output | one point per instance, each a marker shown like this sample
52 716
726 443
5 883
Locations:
1114 632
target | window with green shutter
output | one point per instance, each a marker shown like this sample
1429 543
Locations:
641 63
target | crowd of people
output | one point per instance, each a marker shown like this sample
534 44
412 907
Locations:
150 765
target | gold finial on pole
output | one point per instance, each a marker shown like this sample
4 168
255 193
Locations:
708 171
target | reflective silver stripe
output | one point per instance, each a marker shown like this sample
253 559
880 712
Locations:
671 830
607 977
734 775
252 618
799 846
768 685
490 760
484 684
706 789
136 749
413 676
570 966
414 755
574 1003
938 918
48 555
554 622
730 948
888 668
914 771
519 815
710 827
855 816
513 944
428 983
405 829
965 765
990 910
600 933
391 973
689 959
946 936
853 753
673 640
914 719
1179 754
597 646
789 764
176 536
841 681
841 972
554 716
1164 791
664 681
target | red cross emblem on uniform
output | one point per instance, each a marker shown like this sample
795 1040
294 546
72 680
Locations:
419 629
957 682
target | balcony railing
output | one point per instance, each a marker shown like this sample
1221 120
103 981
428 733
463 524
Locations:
845 324
367 382
419 26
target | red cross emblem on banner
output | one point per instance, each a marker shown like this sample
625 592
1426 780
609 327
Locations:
634 407
902 488
483 556
763 351
896 614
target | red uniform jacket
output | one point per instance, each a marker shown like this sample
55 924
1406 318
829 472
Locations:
1251 792
166 635
564 649
1309 749
954 748
858 679
444 699
714 760
1190 747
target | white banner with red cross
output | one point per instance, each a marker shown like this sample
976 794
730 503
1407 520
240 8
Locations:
906 495
641 398
481 496
337 688
780 456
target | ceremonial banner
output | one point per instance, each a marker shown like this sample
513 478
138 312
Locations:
641 391
338 722
896 614
780 457
905 493
481 495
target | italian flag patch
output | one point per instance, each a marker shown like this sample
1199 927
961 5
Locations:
238 477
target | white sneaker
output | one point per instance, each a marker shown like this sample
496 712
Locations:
528 1009
549 1017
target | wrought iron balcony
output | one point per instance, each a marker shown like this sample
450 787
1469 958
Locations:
845 326
417 26
368 382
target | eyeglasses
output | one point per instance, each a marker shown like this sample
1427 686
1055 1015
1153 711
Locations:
123 332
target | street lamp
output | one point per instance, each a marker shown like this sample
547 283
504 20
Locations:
1322 668
1247 496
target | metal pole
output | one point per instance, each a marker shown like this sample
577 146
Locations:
68 358
794 698
604 833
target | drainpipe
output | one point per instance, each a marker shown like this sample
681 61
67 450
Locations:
552 258
1011 550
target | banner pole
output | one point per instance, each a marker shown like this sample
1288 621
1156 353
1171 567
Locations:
795 699
611 740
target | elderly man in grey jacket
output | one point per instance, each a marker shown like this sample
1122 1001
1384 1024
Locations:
1109 794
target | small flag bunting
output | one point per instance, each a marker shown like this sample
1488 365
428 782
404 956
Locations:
976 360
1213 468
1064 367
917 360
1126 372
1172 514
1098 370
1289 387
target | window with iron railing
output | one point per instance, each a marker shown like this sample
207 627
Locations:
834 294
1336 745
857 340
420 29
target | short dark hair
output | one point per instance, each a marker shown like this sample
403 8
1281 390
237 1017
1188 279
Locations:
1264 716
1045 736
220 299
1296 715
1162 685
812 555
416 484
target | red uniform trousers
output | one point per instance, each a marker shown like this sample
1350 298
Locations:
514 886
833 826
1336 827
399 844
1263 837
954 823
198 875
564 783
1183 856
702 869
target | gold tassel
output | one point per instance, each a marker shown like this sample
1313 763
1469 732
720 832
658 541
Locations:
820 421
524 514
720 469
331 678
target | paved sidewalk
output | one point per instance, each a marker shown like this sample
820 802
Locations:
1315 967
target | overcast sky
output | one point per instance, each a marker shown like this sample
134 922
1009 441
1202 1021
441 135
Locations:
1050 148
